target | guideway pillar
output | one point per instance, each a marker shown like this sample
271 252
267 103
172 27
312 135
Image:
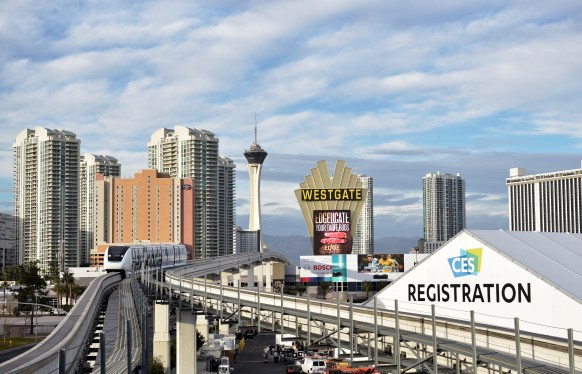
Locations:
185 342
162 333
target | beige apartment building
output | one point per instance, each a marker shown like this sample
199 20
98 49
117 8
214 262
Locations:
151 207
90 166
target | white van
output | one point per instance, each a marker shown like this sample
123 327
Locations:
313 365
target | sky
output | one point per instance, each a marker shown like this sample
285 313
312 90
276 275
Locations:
396 89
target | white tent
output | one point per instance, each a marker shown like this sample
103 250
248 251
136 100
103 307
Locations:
500 275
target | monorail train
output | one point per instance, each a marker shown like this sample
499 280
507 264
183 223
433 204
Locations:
127 258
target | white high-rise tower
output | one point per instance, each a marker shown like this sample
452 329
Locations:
46 198
364 238
193 153
256 156
443 208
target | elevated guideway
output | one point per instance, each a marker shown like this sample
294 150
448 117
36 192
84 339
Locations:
396 340
429 344
68 345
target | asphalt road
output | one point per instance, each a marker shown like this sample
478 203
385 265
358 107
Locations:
251 361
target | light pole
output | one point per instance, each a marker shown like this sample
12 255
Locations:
36 314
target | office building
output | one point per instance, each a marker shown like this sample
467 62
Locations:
90 166
151 207
184 152
255 156
443 208
46 198
548 202
364 238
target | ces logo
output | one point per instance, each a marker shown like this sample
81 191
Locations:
468 263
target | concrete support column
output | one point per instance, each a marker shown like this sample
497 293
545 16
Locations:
223 329
268 272
162 333
202 326
185 342
224 278
251 276
236 278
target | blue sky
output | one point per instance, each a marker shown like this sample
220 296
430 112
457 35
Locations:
397 89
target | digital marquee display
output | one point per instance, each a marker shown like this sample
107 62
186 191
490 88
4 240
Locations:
332 232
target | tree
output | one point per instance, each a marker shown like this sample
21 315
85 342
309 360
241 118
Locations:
156 366
367 286
59 288
199 340
32 285
324 288
69 282
4 286
78 291
300 289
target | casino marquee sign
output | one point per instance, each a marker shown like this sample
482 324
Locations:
331 207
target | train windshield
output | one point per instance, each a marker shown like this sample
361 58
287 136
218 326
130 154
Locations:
116 253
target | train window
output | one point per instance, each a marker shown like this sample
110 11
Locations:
116 253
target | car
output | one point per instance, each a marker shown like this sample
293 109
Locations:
58 312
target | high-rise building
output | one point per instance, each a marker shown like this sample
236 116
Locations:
90 166
548 202
151 207
364 238
247 241
46 198
193 153
226 206
443 207
255 156
7 240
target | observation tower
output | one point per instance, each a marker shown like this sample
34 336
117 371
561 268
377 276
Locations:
255 157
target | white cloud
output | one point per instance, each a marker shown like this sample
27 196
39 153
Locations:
397 88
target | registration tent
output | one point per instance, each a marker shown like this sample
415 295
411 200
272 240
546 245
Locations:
500 275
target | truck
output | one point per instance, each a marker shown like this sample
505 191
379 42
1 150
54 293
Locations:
313 365
224 366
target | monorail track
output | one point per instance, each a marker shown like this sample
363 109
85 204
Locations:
69 343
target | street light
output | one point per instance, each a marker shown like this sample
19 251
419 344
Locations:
36 315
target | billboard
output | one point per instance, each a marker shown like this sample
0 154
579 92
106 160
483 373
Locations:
332 232
381 263
324 268
353 268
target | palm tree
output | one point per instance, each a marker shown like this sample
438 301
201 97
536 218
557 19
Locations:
69 283
367 286
324 288
78 291
59 288
300 289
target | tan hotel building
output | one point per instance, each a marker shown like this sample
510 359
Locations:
151 207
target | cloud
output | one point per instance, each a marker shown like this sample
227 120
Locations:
397 89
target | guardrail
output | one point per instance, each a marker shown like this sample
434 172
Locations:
65 349
490 345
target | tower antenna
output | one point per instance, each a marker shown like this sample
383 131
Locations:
255 127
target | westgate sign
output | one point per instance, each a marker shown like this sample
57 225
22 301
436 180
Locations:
331 194
339 198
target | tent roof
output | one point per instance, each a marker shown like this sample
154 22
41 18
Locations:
554 257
